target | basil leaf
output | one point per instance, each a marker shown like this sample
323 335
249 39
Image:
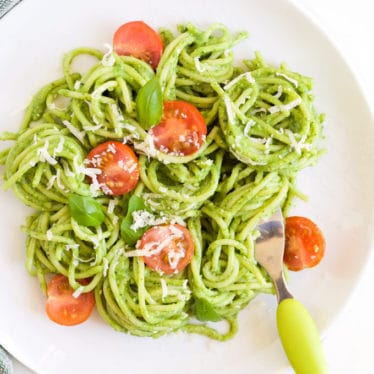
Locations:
86 210
129 235
204 311
149 104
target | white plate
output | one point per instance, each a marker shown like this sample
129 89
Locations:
34 36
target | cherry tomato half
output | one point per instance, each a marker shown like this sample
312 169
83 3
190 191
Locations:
182 129
305 244
119 167
62 307
170 247
139 40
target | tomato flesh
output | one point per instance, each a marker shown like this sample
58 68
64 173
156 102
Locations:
305 243
119 167
170 248
139 40
62 307
182 130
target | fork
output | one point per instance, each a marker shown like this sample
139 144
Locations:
296 328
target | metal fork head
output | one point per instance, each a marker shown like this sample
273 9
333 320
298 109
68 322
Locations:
269 251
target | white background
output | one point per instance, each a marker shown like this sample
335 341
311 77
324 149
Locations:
348 343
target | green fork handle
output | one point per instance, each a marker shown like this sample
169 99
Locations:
300 338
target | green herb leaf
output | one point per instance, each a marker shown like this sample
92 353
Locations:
86 210
205 311
149 104
129 235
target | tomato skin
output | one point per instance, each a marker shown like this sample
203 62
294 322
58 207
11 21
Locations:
305 243
176 240
65 309
119 167
137 39
182 130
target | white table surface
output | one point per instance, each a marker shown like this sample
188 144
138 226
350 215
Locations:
348 343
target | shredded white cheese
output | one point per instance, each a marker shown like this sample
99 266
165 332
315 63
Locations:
151 248
93 128
247 127
77 84
49 234
297 146
78 292
78 134
285 107
111 205
105 266
128 126
111 148
268 142
143 218
44 154
279 92
175 256
229 109
60 147
164 287
67 170
258 110
293 81
198 65
68 247
108 58
147 147
246 75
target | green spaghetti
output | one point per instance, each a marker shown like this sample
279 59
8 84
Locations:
262 130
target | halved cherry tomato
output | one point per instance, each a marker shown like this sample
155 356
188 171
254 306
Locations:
62 307
119 167
182 129
139 40
305 244
170 248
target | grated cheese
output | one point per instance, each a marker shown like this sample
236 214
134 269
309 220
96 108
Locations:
67 170
247 127
44 155
108 58
111 205
51 182
78 134
60 146
164 287
198 65
175 256
93 128
77 84
229 110
78 292
258 110
293 81
128 126
297 146
143 218
68 247
147 147
49 234
246 75
105 266
279 92
285 107
111 148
